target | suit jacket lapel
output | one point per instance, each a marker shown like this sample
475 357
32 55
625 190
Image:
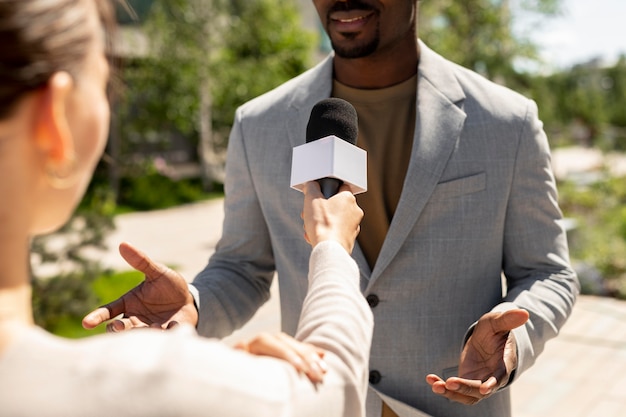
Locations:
315 85
438 125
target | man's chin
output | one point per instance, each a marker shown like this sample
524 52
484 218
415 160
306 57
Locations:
355 51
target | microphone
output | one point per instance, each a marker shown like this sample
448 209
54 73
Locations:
329 154
332 116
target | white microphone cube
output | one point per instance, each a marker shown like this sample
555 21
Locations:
329 157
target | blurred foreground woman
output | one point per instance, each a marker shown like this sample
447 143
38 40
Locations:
54 117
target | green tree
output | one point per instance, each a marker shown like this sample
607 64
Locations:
590 97
600 237
479 34
64 264
615 84
207 57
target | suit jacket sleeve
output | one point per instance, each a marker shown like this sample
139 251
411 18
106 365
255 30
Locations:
536 261
238 277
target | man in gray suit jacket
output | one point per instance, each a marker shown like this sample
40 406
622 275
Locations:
461 219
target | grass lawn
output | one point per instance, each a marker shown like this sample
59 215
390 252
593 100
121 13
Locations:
107 288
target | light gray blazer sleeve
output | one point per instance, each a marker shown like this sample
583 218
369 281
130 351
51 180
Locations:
237 279
536 261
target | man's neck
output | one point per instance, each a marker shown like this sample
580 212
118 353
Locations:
380 70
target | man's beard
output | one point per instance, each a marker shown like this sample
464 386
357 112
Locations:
356 51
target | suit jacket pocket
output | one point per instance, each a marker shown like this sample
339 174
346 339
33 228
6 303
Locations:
459 186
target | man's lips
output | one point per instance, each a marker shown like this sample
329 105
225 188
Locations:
350 16
350 21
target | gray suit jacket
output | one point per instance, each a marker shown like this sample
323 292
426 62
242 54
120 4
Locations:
478 208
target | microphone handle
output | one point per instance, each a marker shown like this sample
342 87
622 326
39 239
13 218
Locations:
329 186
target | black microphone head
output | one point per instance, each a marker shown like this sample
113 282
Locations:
332 116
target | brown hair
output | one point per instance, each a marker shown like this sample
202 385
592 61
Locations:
41 37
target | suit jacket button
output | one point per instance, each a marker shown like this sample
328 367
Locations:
372 300
375 377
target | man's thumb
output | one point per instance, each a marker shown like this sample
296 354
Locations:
509 320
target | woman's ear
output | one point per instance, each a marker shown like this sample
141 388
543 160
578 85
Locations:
53 134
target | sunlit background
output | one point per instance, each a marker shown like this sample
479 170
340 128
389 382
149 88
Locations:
185 65
585 30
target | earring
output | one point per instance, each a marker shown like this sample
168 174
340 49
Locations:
62 176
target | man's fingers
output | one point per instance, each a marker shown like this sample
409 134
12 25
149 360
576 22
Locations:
140 261
96 317
456 389
116 326
489 386
123 324
509 320
461 398
468 387
104 313
437 384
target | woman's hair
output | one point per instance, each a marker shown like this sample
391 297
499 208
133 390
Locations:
41 37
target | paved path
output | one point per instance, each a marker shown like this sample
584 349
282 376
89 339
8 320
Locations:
582 373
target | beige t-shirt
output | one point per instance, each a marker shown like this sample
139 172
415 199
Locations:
386 128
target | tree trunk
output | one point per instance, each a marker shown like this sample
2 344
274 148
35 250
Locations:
211 164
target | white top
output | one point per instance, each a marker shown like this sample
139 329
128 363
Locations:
177 373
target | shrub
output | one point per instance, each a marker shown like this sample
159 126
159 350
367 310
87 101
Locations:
59 303
600 237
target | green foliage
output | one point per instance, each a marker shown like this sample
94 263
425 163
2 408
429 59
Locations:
239 49
592 96
585 105
132 11
478 34
600 238
60 303
61 300
614 87
109 286
152 190
66 249
264 46
206 58
63 293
